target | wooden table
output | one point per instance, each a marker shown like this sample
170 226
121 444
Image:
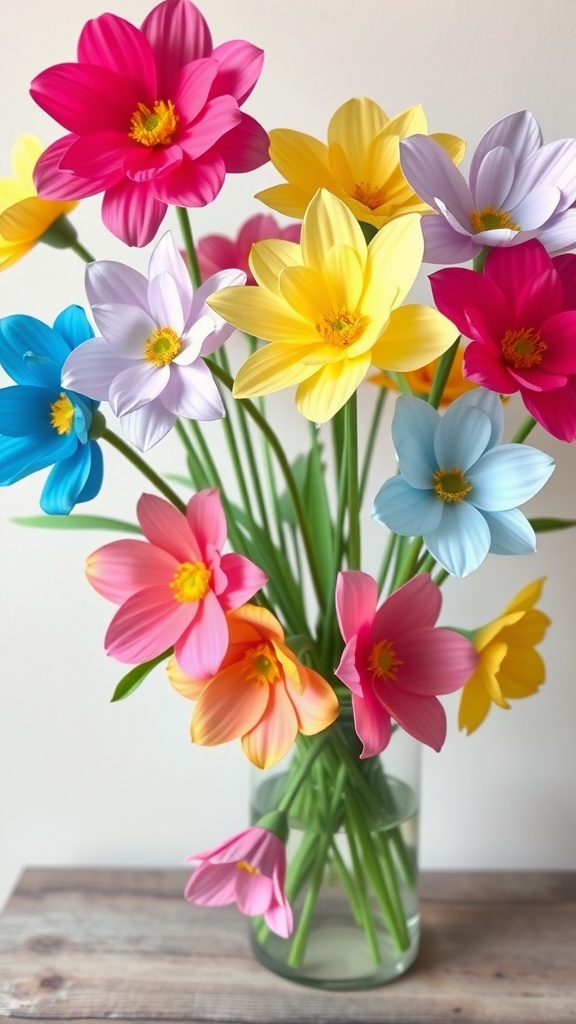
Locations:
87 944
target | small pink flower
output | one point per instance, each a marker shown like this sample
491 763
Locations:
396 660
175 588
153 117
248 869
217 252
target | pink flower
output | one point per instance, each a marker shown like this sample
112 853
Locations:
521 316
396 661
153 115
248 869
175 588
217 252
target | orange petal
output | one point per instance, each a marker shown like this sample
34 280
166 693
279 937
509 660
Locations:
183 683
228 706
275 732
317 706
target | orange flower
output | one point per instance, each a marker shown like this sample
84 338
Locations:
261 692
421 380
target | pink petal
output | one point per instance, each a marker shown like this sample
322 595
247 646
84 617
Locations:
434 661
347 670
245 147
193 183
212 885
541 297
555 410
250 844
144 163
215 252
254 893
122 568
275 732
372 723
279 918
565 267
91 367
114 43
200 649
148 425
356 597
240 66
167 528
194 85
484 365
206 519
147 624
415 605
132 212
244 580
99 156
420 715
53 183
85 98
218 117
137 386
511 268
178 34
457 291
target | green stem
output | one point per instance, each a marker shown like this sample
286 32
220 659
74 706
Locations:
442 374
80 251
144 468
523 430
391 544
186 229
353 492
407 565
302 769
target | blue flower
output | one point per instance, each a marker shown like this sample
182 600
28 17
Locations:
41 423
458 487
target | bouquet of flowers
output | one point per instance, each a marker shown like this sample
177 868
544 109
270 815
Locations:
282 638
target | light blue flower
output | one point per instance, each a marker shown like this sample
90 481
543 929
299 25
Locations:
458 487
41 423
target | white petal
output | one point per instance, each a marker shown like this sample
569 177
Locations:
91 368
495 177
108 281
165 303
192 393
125 328
194 342
146 426
166 258
137 386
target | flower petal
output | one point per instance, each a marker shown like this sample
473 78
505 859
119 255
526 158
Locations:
244 580
137 386
420 715
273 735
414 606
406 510
510 533
201 648
371 722
229 705
122 568
461 541
91 368
191 392
356 597
148 425
508 476
146 625
414 336
319 397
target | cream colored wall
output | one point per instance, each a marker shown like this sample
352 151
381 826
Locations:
84 781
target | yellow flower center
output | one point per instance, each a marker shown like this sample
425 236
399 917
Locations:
383 661
342 327
523 349
62 415
191 582
489 218
261 665
162 346
243 865
154 127
368 195
451 484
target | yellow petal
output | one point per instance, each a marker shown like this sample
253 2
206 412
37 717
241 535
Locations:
301 159
394 258
306 291
286 199
273 735
411 121
328 222
522 673
321 396
268 259
344 276
272 368
474 706
488 668
353 127
491 630
12 192
527 597
25 153
454 146
290 665
530 630
257 311
28 219
11 252
414 336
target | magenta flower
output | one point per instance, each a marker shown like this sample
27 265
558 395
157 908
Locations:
149 363
521 316
248 869
396 660
174 588
217 252
153 116
517 189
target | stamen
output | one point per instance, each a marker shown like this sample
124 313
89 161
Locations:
154 127
62 415
243 865
383 661
368 195
191 582
342 327
261 665
162 346
489 218
523 349
451 485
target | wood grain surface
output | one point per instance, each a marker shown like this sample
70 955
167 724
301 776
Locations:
93 945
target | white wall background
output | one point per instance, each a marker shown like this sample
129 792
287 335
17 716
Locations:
86 782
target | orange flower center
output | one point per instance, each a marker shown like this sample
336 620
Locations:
489 218
261 665
62 415
368 195
383 661
162 346
243 865
191 582
342 327
451 484
523 349
154 127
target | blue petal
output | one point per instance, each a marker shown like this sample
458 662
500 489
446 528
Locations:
42 372
96 474
415 419
490 403
25 411
65 482
21 334
511 533
73 325
508 476
462 438
462 541
414 467
21 456
406 510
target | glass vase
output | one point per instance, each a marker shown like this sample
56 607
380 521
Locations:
352 856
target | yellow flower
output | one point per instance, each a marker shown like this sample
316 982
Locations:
421 380
329 308
509 667
24 218
360 164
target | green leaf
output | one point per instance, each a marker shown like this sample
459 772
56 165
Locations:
317 506
548 523
78 522
131 681
299 470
